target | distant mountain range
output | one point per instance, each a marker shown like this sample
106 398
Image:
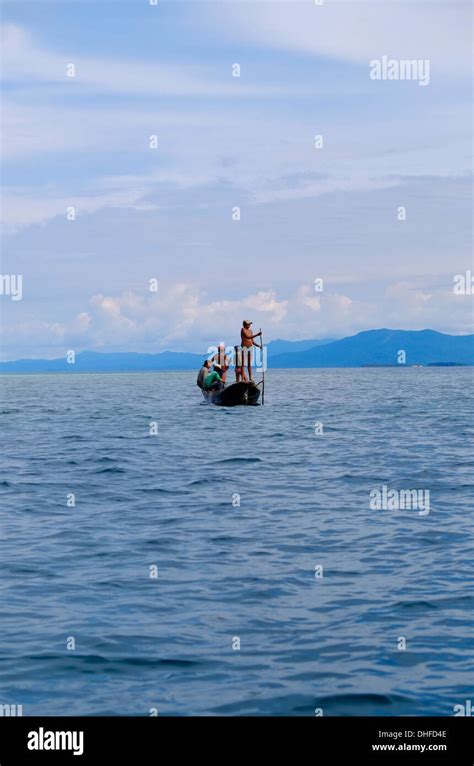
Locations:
382 347
91 361
370 348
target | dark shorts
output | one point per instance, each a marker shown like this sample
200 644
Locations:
237 356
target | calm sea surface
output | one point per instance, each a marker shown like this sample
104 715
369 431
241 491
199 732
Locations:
228 572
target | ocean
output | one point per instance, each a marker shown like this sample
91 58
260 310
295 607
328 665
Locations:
161 556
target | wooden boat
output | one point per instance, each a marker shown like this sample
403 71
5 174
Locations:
234 395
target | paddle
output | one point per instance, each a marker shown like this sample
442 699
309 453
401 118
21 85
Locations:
263 369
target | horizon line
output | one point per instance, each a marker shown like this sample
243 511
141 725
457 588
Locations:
203 353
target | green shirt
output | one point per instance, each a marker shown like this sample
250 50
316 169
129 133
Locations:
210 379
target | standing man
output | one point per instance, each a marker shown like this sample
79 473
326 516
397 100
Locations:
247 345
222 360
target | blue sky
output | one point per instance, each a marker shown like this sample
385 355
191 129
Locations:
223 142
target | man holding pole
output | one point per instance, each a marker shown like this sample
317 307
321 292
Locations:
247 339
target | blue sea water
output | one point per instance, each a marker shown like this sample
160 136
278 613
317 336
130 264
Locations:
227 571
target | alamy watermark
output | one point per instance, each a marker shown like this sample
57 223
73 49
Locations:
463 710
400 69
12 285
385 499
463 284
237 356
43 739
11 711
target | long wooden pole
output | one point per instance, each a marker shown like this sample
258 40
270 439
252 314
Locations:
263 369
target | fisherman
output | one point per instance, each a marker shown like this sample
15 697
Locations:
213 381
247 339
223 361
203 373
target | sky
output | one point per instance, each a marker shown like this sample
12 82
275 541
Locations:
232 209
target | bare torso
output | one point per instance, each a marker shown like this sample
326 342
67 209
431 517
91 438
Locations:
246 337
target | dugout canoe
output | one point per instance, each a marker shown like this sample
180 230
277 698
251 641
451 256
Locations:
236 394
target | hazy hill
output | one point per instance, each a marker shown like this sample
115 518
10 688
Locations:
373 347
381 347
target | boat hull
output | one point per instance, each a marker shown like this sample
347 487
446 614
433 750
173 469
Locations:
234 395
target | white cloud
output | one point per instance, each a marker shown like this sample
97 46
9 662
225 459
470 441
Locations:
180 317
279 189
26 61
23 210
356 30
199 149
93 154
175 314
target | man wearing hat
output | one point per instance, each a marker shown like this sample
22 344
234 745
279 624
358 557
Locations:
247 339
213 381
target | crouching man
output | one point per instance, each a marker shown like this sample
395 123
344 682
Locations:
213 381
